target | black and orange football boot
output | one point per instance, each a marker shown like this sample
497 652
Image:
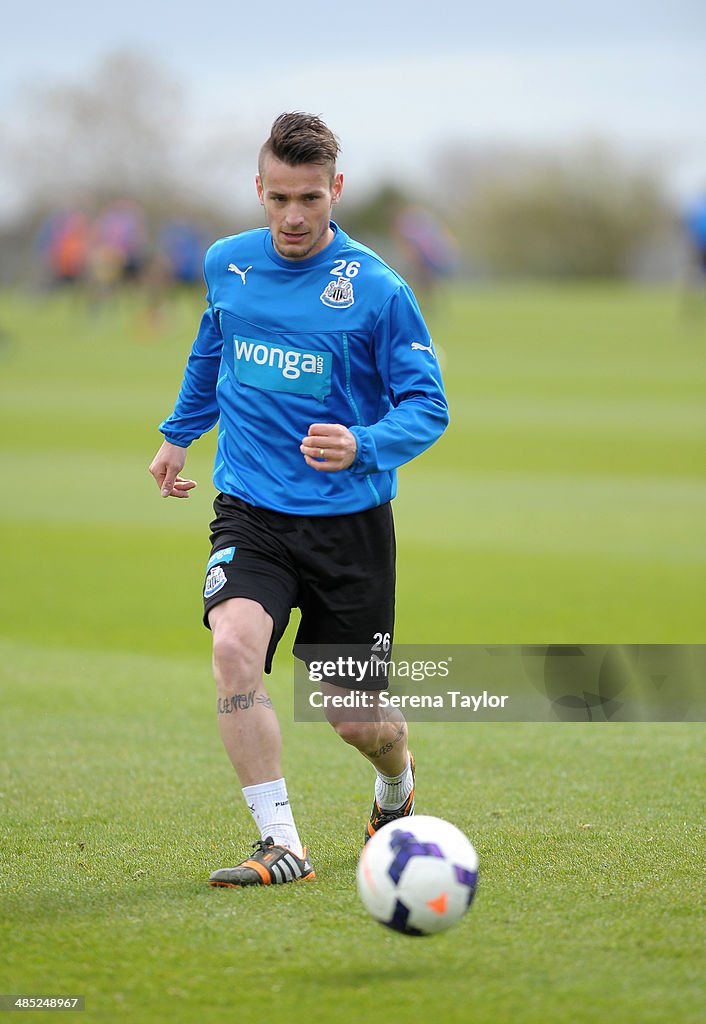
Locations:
269 865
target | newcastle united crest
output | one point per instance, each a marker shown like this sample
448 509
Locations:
338 294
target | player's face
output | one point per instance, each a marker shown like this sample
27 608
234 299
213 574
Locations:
297 202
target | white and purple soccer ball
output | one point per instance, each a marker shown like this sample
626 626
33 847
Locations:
418 875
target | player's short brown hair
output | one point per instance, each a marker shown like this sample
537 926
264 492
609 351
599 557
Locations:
299 138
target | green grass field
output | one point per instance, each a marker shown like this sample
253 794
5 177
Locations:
566 504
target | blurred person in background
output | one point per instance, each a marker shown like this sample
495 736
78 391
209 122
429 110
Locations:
119 247
181 245
428 247
176 265
63 245
694 222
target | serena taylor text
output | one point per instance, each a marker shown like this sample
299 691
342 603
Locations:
367 699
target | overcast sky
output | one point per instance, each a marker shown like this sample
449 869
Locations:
396 80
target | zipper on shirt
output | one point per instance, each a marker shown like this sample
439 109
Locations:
354 407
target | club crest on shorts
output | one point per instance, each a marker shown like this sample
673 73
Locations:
215 580
338 294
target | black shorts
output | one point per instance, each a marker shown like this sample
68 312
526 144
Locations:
339 570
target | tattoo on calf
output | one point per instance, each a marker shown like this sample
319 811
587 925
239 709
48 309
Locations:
242 702
236 702
387 747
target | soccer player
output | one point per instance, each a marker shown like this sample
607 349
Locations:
314 359
695 227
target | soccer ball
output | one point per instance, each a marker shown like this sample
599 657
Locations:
418 875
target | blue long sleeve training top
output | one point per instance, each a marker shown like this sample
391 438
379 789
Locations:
334 338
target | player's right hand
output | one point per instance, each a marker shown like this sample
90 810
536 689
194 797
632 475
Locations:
166 467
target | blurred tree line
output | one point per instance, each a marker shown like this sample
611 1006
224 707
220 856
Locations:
116 138
585 211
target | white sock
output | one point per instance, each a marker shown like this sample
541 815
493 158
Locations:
391 791
269 806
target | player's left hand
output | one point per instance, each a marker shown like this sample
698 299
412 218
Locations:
329 447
